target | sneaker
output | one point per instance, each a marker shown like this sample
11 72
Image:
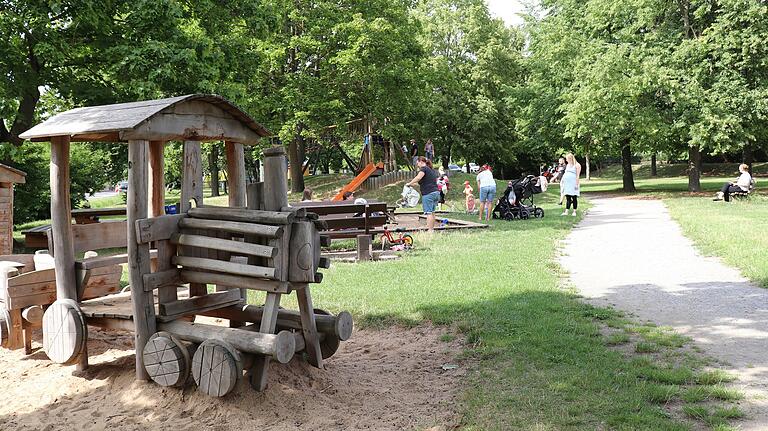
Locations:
564 213
574 214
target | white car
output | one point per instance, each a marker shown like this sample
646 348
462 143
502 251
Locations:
474 168
454 168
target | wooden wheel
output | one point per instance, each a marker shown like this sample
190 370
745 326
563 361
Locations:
64 331
216 368
5 326
166 360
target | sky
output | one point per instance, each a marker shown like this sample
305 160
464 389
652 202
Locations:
507 10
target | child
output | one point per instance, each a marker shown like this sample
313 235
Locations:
469 198
443 184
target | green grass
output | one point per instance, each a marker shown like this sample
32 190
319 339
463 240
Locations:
537 357
731 231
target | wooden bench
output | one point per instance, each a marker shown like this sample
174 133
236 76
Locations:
28 282
745 194
37 237
350 220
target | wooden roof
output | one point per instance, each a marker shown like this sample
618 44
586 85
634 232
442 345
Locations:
12 175
195 117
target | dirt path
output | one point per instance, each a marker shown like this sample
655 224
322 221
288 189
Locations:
632 255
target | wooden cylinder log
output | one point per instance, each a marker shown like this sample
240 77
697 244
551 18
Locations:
275 179
33 314
266 231
339 326
225 267
235 153
142 302
64 332
61 220
364 251
279 346
243 215
225 245
216 367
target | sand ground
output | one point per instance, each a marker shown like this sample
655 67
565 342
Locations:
378 380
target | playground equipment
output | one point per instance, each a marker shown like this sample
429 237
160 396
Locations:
8 177
358 181
257 243
388 240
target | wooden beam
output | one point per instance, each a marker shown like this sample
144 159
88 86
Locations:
225 267
232 226
142 302
156 179
280 346
192 189
159 228
196 305
241 282
224 245
242 215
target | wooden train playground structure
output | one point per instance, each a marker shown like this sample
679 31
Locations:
200 262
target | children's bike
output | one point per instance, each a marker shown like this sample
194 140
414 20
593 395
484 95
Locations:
387 239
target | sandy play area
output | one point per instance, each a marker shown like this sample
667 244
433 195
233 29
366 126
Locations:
378 380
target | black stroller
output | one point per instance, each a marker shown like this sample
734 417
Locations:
517 201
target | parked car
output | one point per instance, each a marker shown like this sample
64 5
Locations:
121 187
454 168
473 168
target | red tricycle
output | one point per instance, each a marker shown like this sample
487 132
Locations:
403 239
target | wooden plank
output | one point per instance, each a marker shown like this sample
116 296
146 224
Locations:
226 267
197 304
178 127
41 276
19 302
242 215
138 253
107 261
309 328
259 369
159 279
156 179
224 244
192 190
96 212
158 228
234 227
97 236
61 226
189 276
165 252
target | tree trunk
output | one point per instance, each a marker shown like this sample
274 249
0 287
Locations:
628 177
654 172
213 167
586 162
748 157
694 169
295 153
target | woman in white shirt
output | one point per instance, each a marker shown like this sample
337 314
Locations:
487 186
741 184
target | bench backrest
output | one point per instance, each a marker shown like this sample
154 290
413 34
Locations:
349 216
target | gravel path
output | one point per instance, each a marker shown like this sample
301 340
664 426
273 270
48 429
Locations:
632 255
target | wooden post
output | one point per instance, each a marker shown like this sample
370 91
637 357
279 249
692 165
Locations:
192 189
236 173
364 247
235 153
61 220
156 179
138 254
275 197
61 229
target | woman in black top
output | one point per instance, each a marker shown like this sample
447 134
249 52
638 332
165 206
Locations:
427 180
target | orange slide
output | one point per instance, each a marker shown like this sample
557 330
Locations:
358 180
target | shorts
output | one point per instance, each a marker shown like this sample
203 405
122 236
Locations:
429 202
487 193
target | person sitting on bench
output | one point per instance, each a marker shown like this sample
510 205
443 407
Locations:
739 186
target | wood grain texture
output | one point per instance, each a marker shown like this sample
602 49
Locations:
64 331
226 267
216 368
231 226
224 245
192 191
235 153
138 254
156 179
242 215
167 360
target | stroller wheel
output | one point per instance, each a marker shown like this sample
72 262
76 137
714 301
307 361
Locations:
538 213
509 215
